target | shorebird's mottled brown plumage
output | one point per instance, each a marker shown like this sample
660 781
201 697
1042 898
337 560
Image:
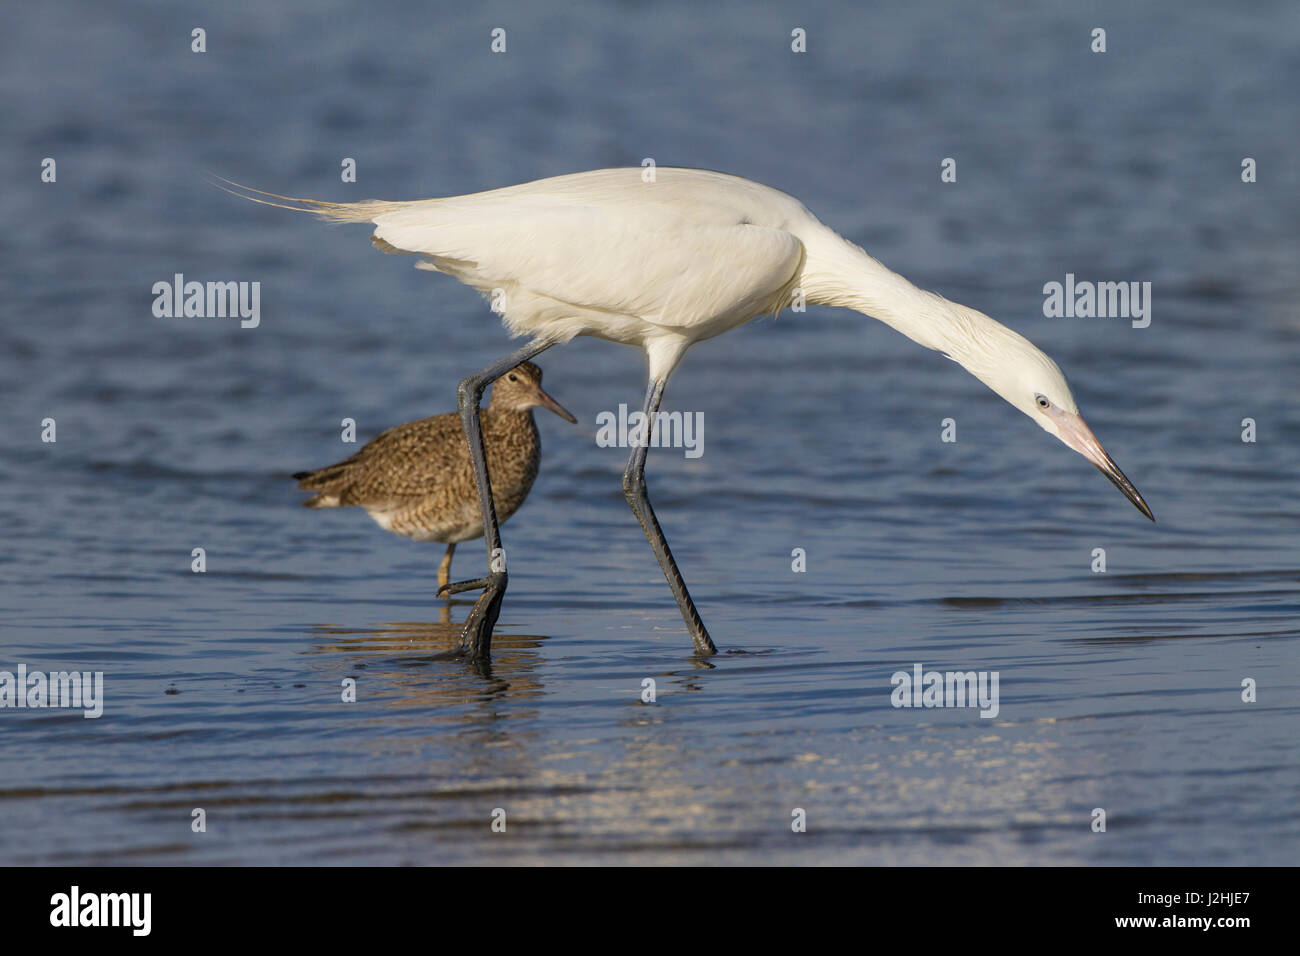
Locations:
416 480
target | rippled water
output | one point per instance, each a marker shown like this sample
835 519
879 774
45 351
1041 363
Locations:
1119 690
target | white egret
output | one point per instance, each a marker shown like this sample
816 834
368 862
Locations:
661 263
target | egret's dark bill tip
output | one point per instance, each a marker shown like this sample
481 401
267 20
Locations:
1138 501
1120 481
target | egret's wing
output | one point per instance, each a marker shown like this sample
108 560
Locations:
672 266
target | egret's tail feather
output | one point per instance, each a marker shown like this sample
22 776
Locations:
364 211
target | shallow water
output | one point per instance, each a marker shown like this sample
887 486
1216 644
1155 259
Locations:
1119 690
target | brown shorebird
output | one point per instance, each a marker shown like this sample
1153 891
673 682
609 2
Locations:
416 479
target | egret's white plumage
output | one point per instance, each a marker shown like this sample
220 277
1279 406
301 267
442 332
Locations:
664 264
689 255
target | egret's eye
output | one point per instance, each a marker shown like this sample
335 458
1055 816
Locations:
1043 402
513 377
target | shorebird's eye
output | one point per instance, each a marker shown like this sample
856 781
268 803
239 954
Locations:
1043 402
514 377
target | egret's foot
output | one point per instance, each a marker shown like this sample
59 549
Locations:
476 638
447 590
704 646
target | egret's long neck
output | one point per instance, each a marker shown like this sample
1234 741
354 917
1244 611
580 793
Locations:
838 273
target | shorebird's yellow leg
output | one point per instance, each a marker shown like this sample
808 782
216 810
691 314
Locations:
444 569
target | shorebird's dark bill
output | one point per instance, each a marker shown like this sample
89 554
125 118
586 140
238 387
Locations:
551 404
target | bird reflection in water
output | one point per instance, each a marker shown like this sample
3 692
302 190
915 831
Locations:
399 654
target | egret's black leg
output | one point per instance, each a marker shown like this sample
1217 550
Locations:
447 590
476 638
635 492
